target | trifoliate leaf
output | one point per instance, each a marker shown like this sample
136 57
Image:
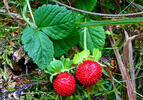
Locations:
56 21
81 56
38 46
97 54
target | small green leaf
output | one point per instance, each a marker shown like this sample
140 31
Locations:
97 54
67 62
108 32
49 69
95 38
38 46
56 21
55 66
86 4
80 57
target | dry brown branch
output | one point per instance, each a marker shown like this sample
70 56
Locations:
15 15
124 73
98 14
129 55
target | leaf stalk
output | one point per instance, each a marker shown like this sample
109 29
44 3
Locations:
33 25
85 45
29 7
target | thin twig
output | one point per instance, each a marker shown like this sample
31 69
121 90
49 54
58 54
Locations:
98 14
110 75
139 68
18 16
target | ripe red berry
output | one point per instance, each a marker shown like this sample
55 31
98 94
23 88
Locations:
88 73
64 84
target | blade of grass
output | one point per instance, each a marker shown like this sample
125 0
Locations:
112 22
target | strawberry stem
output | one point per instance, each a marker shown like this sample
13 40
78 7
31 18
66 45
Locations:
33 25
29 7
85 46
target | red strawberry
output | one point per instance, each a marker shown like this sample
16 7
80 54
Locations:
64 84
88 73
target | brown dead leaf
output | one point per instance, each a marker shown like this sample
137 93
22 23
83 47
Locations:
18 54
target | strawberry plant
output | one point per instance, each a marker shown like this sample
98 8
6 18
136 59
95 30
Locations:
93 69
54 32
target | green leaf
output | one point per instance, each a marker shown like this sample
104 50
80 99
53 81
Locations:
67 62
95 38
64 45
97 54
56 21
49 69
108 32
86 4
80 57
38 46
79 17
56 66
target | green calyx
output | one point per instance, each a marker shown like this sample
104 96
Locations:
58 66
85 55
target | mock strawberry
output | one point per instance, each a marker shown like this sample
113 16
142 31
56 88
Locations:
88 73
64 84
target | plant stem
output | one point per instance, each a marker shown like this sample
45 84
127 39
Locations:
29 7
85 46
24 15
33 25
